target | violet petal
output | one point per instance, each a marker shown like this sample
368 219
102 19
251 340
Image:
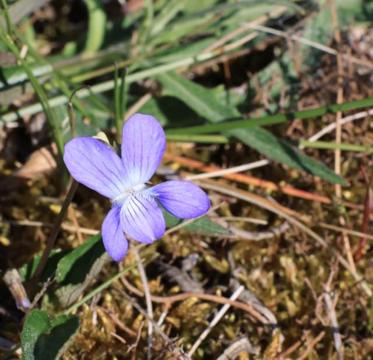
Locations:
95 165
142 219
113 237
182 199
143 145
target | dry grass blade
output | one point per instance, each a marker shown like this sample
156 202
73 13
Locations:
214 321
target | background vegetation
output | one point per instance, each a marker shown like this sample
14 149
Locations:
281 89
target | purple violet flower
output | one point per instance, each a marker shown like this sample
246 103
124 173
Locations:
136 209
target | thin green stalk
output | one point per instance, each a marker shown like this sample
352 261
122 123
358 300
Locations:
9 25
120 93
208 139
147 24
333 146
274 119
98 289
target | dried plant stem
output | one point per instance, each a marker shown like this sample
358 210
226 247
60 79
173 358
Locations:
347 231
55 230
149 305
231 170
343 121
338 129
138 105
311 345
214 321
330 307
239 346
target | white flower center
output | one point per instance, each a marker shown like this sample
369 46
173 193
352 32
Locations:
120 199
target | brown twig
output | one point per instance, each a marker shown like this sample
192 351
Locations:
368 207
311 345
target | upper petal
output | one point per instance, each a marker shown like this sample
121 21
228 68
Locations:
183 199
95 165
115 243
142 219
143 145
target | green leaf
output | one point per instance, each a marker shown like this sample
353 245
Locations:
73 266
203 225
96 26
205 103
78 269
43 338
26 271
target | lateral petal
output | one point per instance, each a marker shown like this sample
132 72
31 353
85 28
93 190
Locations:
142 219
95 165
143 146
183 199
113 237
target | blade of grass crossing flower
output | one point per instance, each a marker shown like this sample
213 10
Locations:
120 96
204 102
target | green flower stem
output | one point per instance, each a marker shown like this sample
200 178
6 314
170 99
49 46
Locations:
98 289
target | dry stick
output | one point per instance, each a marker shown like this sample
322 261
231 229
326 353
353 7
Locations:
214 321
231 170
343 121
333 318
312 344
239 346
290 350
347 231
149 305
55 230
310 43
138 105
261 20
275 208
338 130
249 180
